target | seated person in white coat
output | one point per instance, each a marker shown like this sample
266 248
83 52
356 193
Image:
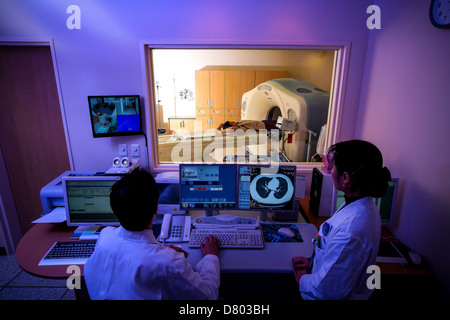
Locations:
129 263
347 243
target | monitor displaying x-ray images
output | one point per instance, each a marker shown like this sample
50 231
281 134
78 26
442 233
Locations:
266 188
115 115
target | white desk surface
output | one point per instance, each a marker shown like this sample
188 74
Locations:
274 258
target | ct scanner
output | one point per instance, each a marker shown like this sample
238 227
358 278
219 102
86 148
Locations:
291 99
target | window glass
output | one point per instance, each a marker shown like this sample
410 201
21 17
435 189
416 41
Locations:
241 105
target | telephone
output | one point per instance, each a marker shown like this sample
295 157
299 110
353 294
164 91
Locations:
175 228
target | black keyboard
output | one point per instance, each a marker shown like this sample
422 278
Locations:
68 252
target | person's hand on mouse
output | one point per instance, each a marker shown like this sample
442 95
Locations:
210 246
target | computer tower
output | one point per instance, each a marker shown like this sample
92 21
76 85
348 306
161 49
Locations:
321 193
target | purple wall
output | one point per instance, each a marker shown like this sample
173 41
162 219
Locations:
104 56
404 109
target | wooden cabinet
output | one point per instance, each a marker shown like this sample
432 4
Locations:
263 76
232 82
209 97
202 92
217 89
181 124
232 114
209 89
237 82
218 93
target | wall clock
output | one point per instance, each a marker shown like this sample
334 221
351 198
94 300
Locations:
440 13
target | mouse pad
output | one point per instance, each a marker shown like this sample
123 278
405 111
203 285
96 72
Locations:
270 232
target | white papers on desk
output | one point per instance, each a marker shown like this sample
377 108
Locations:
57 215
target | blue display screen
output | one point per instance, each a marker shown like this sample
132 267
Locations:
115 115
207 186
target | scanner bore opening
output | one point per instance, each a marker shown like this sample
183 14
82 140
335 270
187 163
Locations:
274 113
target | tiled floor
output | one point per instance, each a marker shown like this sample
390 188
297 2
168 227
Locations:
16 284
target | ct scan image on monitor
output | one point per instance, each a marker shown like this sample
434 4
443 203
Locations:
264 188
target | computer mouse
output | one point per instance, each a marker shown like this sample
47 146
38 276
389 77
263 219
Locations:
286 232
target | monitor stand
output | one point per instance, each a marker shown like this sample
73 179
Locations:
209 213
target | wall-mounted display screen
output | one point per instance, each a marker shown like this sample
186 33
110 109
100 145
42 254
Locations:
115 115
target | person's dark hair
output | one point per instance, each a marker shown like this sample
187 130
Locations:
134 199
363 161
226 125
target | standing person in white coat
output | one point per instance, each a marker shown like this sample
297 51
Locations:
347 243
128 262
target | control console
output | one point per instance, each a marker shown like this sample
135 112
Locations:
225 221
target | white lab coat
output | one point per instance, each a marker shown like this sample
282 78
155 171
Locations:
130 265
339 269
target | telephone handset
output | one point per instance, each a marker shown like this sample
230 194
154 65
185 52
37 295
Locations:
175 228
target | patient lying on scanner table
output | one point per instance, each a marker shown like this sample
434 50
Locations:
231 126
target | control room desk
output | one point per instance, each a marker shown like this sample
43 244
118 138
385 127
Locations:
36 243
274 258
245 273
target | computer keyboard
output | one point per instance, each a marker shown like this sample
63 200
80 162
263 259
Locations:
68 253
229 238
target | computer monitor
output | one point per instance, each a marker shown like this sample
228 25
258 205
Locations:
385 204
86 199
168 184
207 187
115 115
266 188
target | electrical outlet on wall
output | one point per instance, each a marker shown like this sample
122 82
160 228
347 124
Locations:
123 150
135 150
